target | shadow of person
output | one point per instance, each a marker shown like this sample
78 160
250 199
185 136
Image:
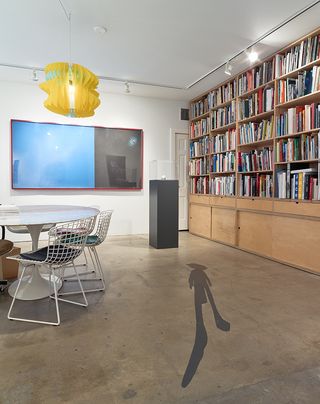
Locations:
199 281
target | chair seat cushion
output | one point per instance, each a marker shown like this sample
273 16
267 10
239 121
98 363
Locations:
5 246
61 254
92 240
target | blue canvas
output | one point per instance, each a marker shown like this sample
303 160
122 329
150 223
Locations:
52 156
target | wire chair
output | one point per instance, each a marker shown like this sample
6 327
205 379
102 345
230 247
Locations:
65 243
93 240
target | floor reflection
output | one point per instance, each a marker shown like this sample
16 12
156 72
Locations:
199 281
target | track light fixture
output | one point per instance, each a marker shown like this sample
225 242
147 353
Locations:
228 68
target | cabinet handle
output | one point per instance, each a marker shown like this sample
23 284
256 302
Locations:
238 228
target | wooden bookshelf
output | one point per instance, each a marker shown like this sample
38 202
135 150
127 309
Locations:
273 227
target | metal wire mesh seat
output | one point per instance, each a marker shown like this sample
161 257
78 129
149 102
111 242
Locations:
61 251
92 241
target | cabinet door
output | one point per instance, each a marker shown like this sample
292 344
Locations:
200 220
255 232
296 241
223 226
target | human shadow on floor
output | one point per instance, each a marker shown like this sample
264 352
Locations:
199 281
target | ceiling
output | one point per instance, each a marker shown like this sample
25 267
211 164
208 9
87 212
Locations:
170 43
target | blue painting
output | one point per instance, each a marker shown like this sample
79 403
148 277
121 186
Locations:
52 156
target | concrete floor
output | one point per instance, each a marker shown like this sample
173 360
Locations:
133 343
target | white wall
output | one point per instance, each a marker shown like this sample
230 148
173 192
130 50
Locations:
154 116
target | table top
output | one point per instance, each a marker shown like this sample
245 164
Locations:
45 214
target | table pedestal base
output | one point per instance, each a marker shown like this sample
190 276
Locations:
34 286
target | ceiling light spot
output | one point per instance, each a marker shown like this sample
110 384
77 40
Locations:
253 56
99 29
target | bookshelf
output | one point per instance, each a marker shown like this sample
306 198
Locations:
256 139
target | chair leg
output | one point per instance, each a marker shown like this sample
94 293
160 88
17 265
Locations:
97 269
85 304
28 320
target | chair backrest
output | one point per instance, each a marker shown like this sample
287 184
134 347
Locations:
104 219
66 241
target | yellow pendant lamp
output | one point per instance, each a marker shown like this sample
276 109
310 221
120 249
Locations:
71 90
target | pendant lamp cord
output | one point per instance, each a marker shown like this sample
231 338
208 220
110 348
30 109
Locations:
68 16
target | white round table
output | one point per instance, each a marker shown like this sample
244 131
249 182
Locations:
36 286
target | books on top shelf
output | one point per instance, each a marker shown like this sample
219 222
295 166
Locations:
200 128
199 166
255 77
199 185
223 116
299 55
224 142
257 103
259 185
223 162
291 88
222 94
199 107
256 160
298 119
298 184
222 186
256 131
305 147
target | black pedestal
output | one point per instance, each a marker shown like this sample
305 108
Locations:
163 214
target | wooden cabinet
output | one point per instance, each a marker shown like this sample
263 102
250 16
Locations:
296 241
297 208
255 232
255 204
200 220
223 227
201 199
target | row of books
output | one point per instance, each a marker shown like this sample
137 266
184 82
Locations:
298 119
223 116
224 93
256 160
298 148
200 166
199 107
255 77
222 186
257 103
298 56
199 185
256 185
298 184
306 83
201 147
256 131
223 162
224 142
200 128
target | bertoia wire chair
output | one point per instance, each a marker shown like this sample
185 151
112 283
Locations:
65 243
92 241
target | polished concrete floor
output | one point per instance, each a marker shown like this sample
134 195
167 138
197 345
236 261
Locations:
162 334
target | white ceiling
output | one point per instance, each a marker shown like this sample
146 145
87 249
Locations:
164 42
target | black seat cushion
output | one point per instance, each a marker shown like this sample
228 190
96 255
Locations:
62 254
5 246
